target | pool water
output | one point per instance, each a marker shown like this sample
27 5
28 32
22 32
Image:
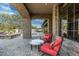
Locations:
37 34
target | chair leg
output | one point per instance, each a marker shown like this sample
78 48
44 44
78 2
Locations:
58 54
43 54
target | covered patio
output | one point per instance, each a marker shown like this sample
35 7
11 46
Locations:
57 15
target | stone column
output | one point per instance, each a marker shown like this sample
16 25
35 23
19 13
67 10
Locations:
27 22
50 25
55 18
27 28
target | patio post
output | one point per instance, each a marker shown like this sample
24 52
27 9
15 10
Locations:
26 18
55 19
27 29
50 25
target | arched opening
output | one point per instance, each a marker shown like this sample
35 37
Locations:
11 23
39 26
36 28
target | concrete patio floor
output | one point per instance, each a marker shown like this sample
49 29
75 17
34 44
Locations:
20 47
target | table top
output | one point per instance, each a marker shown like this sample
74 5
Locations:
36 42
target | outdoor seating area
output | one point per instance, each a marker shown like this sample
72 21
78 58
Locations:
39 29
52 48
46 46
23 48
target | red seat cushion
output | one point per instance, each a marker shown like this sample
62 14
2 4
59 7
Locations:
57 44
46 48
49 34
58 41
52 49
47 37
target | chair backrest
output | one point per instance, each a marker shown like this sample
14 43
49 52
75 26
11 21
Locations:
48 35
57 44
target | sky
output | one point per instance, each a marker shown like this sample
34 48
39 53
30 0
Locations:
7 8
37 22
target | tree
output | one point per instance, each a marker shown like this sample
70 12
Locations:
10 22
34 27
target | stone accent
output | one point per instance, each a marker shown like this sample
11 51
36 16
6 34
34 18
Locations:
50 25
55 19
27 29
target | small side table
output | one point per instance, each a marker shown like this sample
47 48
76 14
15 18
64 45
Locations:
36 42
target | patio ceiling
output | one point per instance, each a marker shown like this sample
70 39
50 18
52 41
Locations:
39 8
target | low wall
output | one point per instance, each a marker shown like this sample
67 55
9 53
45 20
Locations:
9 36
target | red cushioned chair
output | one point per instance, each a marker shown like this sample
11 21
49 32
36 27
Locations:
47 37
52 48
